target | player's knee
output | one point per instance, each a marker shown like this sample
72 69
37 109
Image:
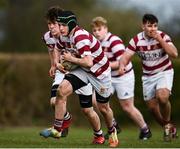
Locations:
61 91
88 111
127 108
163 101
163 96
61 102
104 108
152 108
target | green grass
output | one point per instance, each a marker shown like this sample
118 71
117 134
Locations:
79 138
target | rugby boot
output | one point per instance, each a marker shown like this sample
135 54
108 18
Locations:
50 132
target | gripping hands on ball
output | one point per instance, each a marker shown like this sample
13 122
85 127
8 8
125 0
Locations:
66 61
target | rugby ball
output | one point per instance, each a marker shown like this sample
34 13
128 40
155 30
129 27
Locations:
68 65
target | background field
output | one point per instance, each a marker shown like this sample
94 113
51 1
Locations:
79 138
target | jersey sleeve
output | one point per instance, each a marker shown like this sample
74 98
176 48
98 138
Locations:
132 45
117 47
82 44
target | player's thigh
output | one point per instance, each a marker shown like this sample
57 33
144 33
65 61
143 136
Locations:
59 76
85 101
149 87
77 79
124 86
102 86
85 90
165 80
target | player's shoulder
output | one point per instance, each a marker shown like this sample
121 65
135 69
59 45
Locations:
80 31
47 35
136 38
112 37
48 38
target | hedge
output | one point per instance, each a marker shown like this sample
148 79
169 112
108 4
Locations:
25 92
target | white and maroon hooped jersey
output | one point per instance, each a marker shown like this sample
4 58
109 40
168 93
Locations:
52 42
86 44
49 40
57 43
154 58
113 47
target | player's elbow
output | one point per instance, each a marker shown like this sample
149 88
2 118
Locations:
174 52
174 55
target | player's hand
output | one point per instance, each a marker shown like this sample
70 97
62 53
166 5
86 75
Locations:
155 35
122 70
52 71
60 67
67 56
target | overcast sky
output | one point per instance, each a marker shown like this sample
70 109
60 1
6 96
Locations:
164 9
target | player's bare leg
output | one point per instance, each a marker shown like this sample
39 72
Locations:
94 120
94 102
92 117
165 107
153 106
63 91
107 113
128 106
161 109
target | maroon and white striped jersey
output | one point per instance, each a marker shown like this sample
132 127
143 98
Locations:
86 44
113 47
52 42
153 56
60 44
49 40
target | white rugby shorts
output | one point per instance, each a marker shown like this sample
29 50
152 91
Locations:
160 80
124 85
85 90
102 86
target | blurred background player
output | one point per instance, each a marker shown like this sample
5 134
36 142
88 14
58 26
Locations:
123 85
154 47
50 38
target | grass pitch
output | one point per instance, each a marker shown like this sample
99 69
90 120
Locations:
79 138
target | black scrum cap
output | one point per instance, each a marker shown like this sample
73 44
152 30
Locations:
68 18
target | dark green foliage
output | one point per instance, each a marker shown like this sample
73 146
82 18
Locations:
25 91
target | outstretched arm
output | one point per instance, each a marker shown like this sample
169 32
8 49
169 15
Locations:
126 57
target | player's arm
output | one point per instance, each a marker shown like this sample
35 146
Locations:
169 48
51 57
114 64
57 59
117 49
85 61
125 59
52 68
